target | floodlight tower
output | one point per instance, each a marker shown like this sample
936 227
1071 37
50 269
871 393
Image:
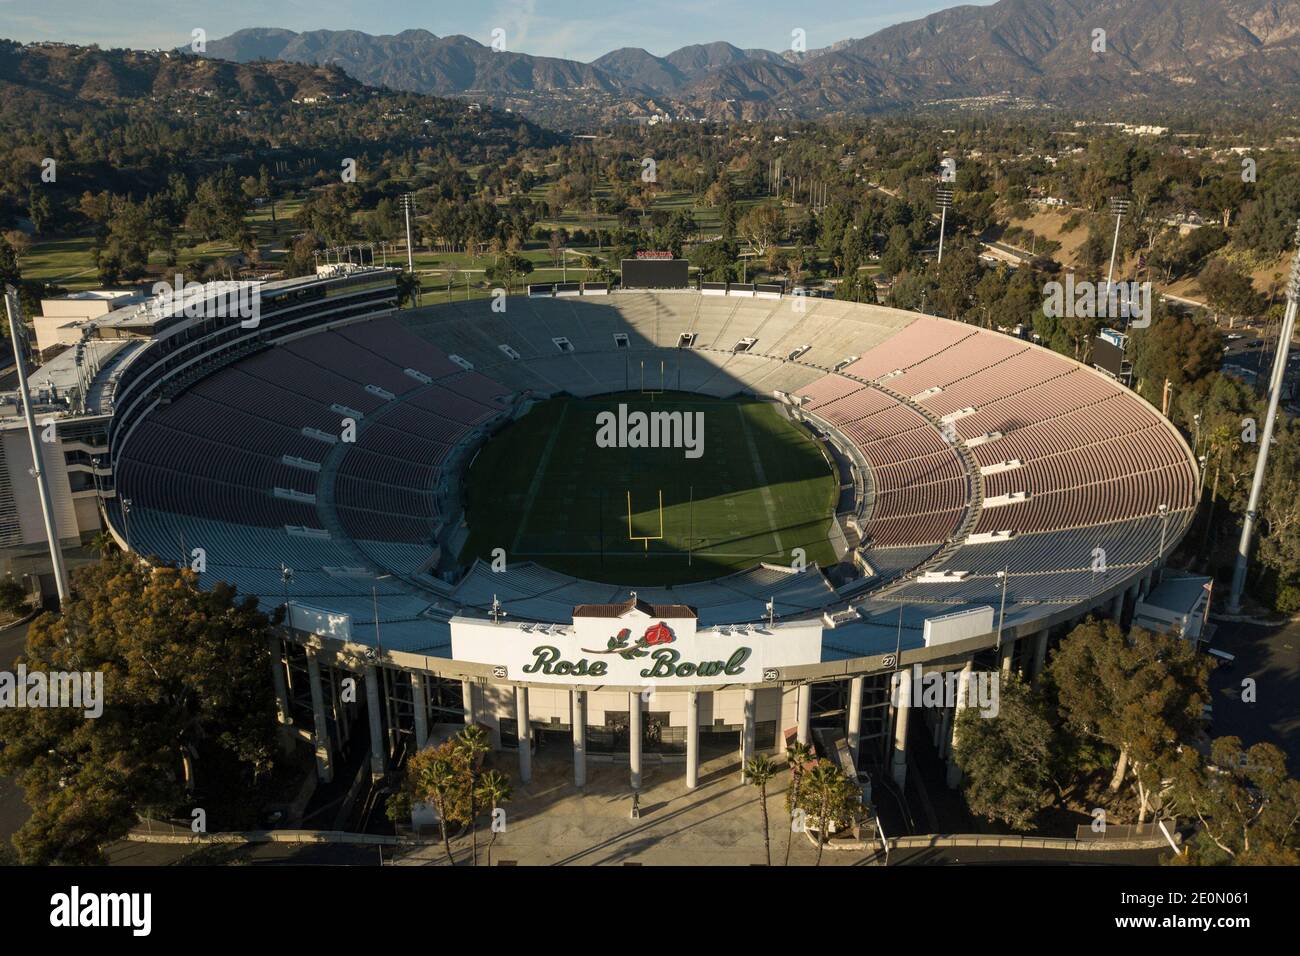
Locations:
38 472
1266 438
407 202
1119 208
943 197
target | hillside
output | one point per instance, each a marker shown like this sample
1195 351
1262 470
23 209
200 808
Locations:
1159 55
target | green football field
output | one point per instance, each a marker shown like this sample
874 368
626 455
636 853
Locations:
544 491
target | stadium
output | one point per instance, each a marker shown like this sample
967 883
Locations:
868 491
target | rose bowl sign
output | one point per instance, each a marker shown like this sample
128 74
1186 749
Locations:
635 650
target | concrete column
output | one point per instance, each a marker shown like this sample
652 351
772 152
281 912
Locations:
942 728
524 732
747 734
963 696
805 713
578 716
904 697
1040 655
1008 656
321 736
378 755
340 710
634 733
390 708
348 710
692 739
855 717
283 715
467 700
419 701
1117 608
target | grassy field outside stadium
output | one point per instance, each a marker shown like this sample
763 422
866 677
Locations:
544 491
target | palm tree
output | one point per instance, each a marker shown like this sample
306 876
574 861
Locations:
493 789
758 772
102 542
408 288
823 785
796 755
439 782
1218 441
474 742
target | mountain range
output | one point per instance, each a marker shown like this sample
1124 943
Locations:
54 75
1035 52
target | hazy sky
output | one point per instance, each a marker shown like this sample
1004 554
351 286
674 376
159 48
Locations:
577 29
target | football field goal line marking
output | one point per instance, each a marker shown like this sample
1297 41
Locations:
650 391
646 538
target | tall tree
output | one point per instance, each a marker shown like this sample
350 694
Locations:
759 772
1006 759
1141 693
797 756
474 743
187 685
493 790
1247 806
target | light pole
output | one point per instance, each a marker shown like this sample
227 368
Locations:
1002 608
1164 524
943 196
1266 439
42 488
374 597
126 521
406 207
286 578
94 473
1118 207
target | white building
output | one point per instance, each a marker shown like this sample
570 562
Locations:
63 318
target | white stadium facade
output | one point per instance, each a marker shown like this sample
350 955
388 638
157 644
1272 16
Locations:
998 492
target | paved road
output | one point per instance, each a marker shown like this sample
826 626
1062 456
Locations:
126 853
1270 656
1007 856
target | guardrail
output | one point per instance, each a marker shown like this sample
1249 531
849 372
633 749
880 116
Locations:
267 836
1004 841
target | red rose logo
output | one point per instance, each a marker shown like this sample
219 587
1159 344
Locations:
659 633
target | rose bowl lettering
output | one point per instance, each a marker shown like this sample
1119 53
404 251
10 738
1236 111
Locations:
667 663
547 660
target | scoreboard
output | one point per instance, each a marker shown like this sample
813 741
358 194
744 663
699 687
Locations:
654 271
